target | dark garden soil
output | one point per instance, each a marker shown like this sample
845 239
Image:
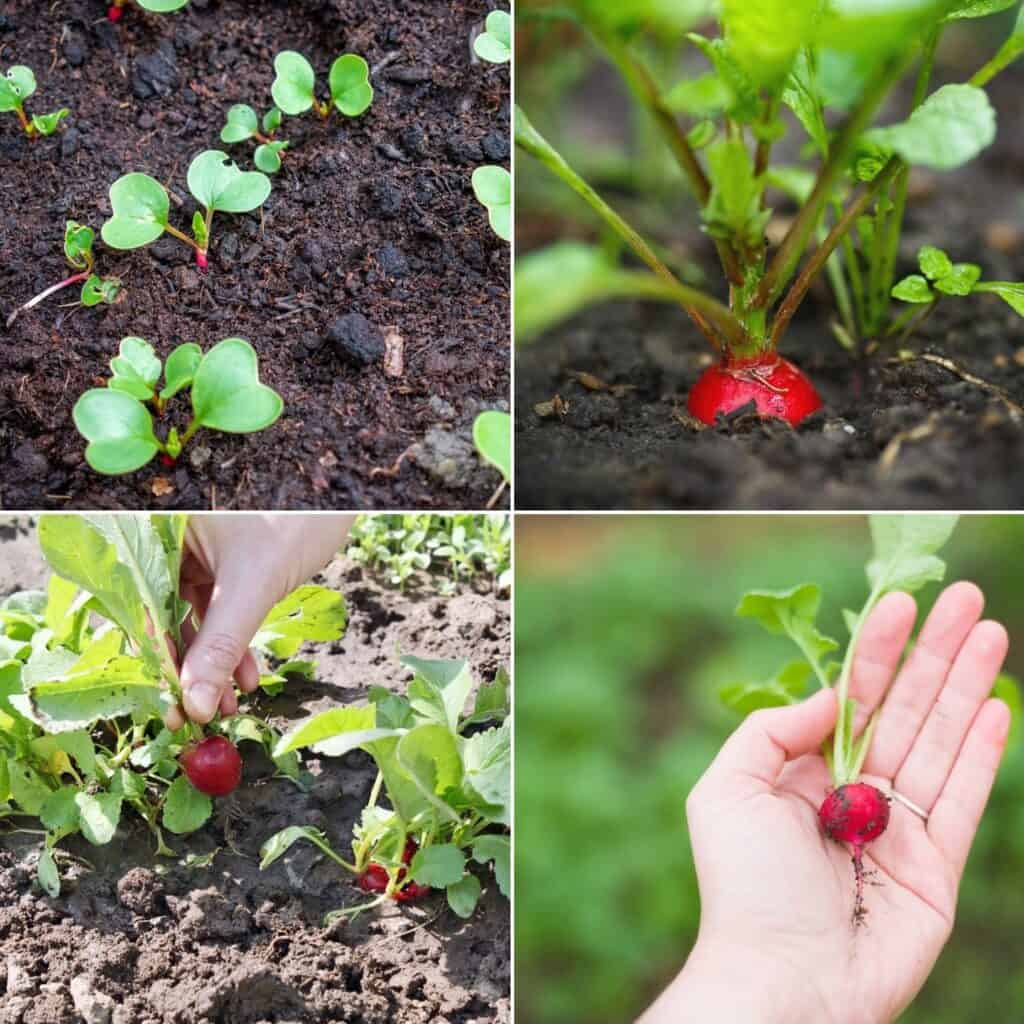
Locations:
372 231
136 939
940 428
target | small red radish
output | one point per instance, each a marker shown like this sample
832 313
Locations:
373 879
213 766
411 846
857 813
412 892
778 389
167 460
201 261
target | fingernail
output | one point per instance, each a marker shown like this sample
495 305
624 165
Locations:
204 698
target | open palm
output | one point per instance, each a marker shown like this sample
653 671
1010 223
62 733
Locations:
766 871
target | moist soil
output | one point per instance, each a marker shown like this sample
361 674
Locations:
372 241
137 939
933 422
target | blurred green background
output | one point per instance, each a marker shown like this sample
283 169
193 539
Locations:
624 632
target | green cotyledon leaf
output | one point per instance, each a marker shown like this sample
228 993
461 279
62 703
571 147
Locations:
226 391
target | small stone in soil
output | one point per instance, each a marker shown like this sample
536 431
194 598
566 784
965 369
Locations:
496 146
76 49
356 340
388 199
392 261
156 74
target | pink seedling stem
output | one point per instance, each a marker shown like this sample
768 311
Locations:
201 260
42 296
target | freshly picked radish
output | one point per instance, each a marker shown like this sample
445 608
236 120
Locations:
853 812
213 766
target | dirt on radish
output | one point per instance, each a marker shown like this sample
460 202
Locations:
151 940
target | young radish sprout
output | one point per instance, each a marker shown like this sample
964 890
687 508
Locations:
492 435
78 240
242 124
832 67
294 87
141 206
116 9
15 87
494 44
853 812
226 395
492 187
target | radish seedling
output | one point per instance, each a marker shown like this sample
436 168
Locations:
78 241
294 87
494 45
816 60
141 205
226 395
905 558
449 786
90 665
15 87
493 188
492 435
116 9
242 124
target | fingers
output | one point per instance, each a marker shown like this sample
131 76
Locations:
247 675
220 647
921 678
955 817
927 766
879 651
759 749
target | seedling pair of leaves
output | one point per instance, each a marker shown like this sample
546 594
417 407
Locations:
78 242
141 206
492 187
770 54
448 781
156 6
85 674
941 276
905 559
226 395
494 44
294 86
243 124
15 87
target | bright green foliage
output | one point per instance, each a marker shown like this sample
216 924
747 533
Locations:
162 6
294 87
764 36
941 276
492 435
15 87
141 205
449 791
226 395
85 677
451 549
493 188
495 44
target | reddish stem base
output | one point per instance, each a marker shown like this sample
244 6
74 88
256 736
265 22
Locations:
114 12
777 388
201 260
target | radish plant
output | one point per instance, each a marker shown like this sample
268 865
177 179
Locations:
141 206
294 86
905 558
78 242
116 9
492 187
87 674
15 87
494 44
242 124
225 390
818 59
447 780
492 435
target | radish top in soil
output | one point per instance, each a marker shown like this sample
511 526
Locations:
939 429
152 941
372 233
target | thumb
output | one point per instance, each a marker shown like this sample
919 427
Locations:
233 616
761 746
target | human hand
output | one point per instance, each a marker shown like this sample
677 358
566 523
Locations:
235 568
777 940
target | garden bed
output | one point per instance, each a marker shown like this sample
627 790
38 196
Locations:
936 428
151 941
371 217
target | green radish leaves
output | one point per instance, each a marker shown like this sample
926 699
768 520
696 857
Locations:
218 184
941 276
15 87
294 87
493 188
492 435
226 395
140 209
905 551
162 6
241 124
495 43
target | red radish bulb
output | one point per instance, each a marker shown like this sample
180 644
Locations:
411 846
373 879
167 460
857 813
213 766
201 261
412 892
114 12
775 385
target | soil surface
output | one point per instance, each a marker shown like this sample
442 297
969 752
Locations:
135 939
939 428
371 241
